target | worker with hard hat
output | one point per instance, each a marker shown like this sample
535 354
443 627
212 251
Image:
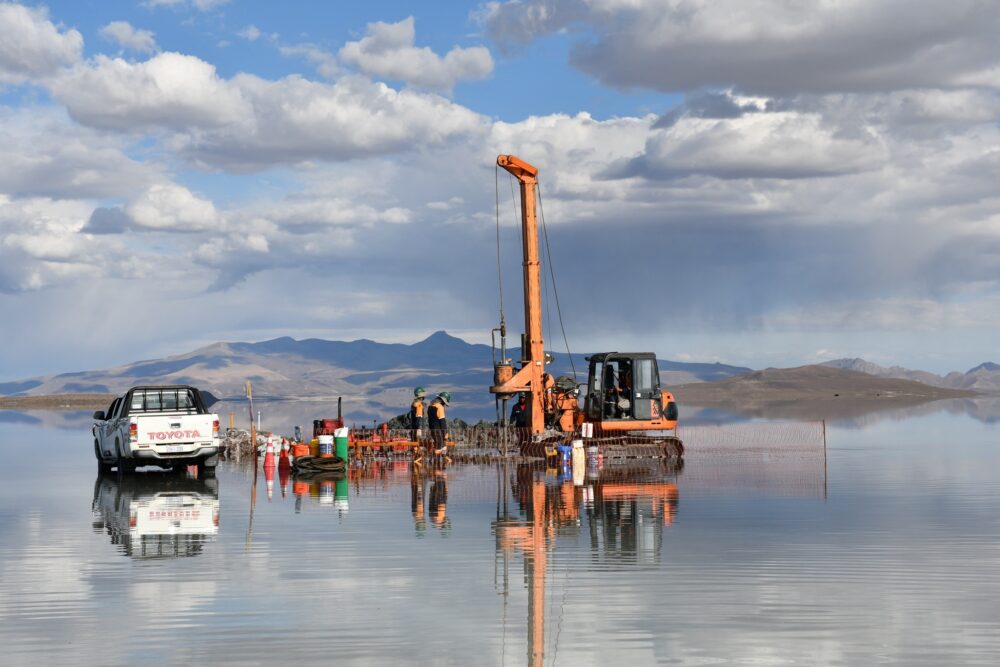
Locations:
417 410
438 422
519 413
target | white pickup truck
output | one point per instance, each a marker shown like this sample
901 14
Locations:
165 426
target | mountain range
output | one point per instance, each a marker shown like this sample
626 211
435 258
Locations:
812 393
984 378
375 379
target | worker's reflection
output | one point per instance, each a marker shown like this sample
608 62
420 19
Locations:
439 500
434 509
418 493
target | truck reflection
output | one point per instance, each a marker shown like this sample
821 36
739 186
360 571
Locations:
157 515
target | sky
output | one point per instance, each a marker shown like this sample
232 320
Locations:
756 182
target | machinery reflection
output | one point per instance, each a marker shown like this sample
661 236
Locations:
428 482
157 515
624 508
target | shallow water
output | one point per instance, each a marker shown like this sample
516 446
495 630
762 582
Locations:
884 547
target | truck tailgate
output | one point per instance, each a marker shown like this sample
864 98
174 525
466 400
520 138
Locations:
174 429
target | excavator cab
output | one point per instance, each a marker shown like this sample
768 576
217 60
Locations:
625 387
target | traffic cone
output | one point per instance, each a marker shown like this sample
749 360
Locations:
269 455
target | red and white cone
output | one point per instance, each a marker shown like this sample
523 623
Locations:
269 455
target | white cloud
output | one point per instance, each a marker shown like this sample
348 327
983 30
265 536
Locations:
318 211
40 245
758 145
325 62
206 5
768 46
572 152
43 153
387 51
200 5
452 203
170 207
247 122
128 37
169 90
31 46
295 120
250 33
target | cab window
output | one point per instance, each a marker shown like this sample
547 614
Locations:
645 382
597 372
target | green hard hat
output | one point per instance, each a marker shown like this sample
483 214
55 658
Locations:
419 392
445 396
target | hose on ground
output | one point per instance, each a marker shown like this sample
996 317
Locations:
313 465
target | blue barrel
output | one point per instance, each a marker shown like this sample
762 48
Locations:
326 446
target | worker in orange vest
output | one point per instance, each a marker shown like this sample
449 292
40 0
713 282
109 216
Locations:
417 410
439 422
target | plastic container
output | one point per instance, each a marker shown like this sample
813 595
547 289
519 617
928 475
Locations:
314 447
340 439
579 463
325 446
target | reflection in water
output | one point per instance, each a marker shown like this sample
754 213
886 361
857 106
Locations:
157 515
624 508
436 510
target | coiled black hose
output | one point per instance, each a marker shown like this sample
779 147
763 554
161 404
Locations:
312 465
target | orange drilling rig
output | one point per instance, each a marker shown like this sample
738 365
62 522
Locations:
624 406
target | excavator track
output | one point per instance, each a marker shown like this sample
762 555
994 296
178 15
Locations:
615 447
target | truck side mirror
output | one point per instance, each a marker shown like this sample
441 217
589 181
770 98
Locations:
99 415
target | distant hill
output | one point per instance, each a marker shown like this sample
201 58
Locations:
375 379
810 392
983 378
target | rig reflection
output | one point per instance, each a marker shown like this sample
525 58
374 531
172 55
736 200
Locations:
624 508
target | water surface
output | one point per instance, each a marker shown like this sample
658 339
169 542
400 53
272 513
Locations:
882 547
